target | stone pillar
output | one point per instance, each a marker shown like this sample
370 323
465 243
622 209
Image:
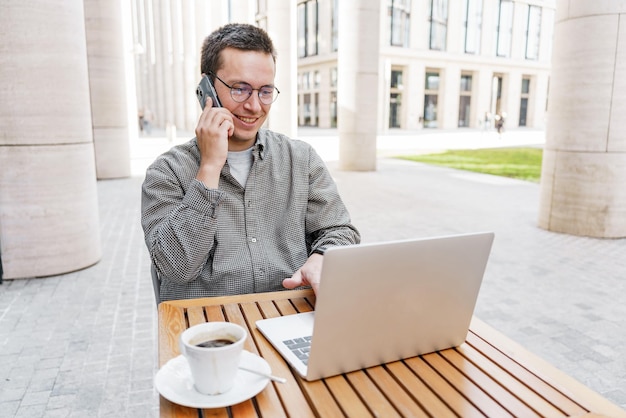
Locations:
107 84
584 160
357 85
48 199
281 27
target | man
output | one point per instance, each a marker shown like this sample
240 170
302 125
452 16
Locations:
240 209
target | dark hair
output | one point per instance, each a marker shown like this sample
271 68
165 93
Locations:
233 35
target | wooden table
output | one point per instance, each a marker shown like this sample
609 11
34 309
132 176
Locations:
488 375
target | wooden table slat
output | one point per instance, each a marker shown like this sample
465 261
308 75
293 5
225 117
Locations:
489 385
195 315
459 404
213 313
507 382
349 401
321 398
401 396
171 324
556 397
466 387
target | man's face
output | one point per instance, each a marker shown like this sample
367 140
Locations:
256 69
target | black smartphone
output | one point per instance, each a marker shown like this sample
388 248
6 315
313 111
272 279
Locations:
205 89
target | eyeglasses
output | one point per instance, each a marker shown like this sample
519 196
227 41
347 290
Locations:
240 92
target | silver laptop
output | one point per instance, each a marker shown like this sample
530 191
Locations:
384 302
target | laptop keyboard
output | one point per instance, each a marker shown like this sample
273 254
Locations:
300 347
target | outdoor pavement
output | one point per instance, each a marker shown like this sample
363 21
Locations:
84 344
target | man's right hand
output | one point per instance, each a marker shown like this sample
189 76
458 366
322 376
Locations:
214 128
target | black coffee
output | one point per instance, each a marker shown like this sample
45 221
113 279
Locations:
220 342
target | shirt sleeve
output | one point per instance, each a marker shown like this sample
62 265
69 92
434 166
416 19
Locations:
328 221
179 221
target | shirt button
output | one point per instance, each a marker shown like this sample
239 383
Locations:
252 239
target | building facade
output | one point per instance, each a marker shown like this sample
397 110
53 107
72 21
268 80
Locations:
443 64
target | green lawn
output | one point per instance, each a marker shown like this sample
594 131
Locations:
518 163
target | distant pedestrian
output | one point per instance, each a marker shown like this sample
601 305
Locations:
500 123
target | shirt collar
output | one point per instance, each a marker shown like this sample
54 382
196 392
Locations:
261 141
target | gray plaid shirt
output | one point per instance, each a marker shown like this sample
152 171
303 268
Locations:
235 240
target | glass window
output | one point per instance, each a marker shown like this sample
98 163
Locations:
307 28
396 79
333 77
307 109
430 110
504 32
431 98
395 104
473 14
335 25
432 81
548 31
399 22
438 24
333 109
302 30
466 83
465 100
523 107
525 85
312 27
533 32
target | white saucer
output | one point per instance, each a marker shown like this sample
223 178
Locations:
174 382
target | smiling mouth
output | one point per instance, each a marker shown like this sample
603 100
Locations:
246 120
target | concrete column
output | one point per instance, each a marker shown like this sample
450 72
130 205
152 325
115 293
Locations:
48 199
191 65
584 161
107 84
357 90
449 93
281 27
177 64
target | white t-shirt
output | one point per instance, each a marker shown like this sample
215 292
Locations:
239 163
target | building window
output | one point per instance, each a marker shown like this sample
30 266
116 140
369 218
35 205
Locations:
395 99
431 95
438 14
308 98
306 109
533 32
333 109
504 31
473 16
335 25
307 28
523 108
465 100
548 31
333 97
399 22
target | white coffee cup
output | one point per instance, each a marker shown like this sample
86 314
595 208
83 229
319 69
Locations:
213 368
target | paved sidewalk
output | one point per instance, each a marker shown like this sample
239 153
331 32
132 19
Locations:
84 343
